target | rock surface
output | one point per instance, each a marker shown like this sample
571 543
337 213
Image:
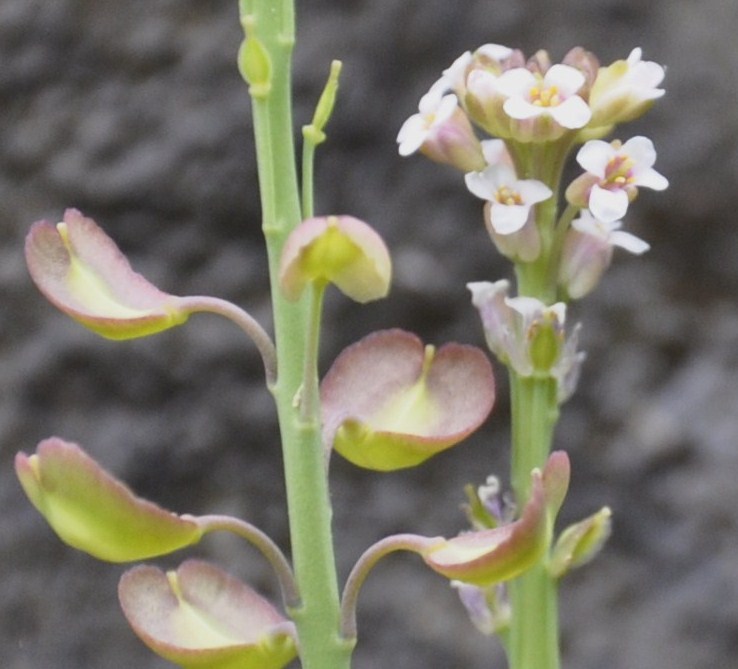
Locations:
133 111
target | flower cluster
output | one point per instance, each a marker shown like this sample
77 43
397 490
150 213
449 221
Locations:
537 112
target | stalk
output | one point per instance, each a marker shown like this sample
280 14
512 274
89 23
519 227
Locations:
534 625
317 617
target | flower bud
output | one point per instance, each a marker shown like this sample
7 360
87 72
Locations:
94 512
254 62
625 90
336 249
579 543
199 616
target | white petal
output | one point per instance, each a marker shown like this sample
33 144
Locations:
629 242
558 310
412 134
480 184
482 85
494 151
521 109
641 150
445 109
494 51
608 205
508 218
589 225
594 157
533 191
650 178
566 78
635 56
572 113
456 74
516 82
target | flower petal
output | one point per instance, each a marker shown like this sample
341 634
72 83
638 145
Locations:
508 218
608 205
572 113
594 157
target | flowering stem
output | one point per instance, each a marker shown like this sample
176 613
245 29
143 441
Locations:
318 616
534 627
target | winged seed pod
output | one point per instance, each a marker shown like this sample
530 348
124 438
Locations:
341 250
81 271
94 512
199 617
487 557
389 402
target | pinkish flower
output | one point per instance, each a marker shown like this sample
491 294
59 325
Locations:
587 252
441 131
552 96
511 199
614 171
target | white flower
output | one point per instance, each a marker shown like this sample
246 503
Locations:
454 77
609 233
530 96
434 110
511 199
619 170
587 252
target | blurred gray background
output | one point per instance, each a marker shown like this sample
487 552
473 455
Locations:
133 111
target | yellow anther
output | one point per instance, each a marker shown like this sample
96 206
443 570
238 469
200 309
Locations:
507 196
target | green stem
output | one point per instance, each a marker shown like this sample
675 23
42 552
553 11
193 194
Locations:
534 626
318 616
